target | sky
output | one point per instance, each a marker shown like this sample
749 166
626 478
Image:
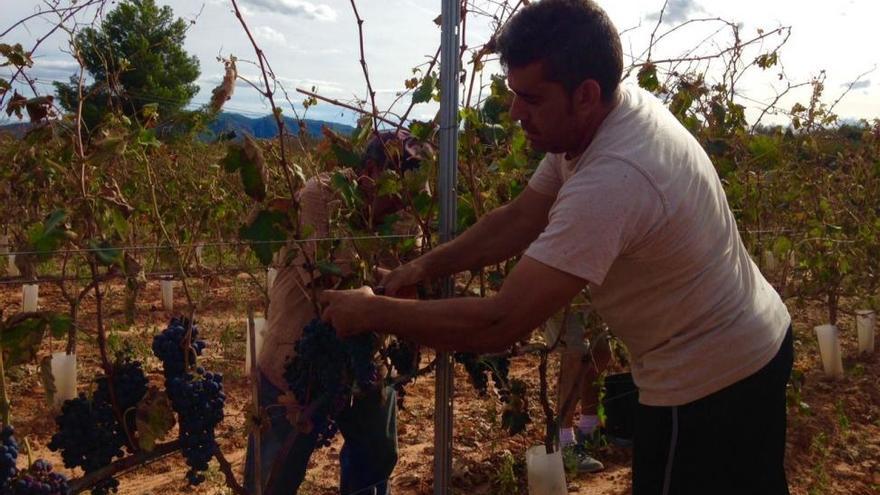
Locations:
315 43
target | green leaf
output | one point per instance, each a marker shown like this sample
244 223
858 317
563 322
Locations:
765 150
389 184
248 160
253 170
234 156
266 232
147 138
154 418
106 254
328 268
59 324
15 55
252 179
781 246
387 227
47 236
648 77
21 337
423 203
345 156
426 89
347 188
421 130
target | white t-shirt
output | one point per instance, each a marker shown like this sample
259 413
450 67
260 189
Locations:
643 217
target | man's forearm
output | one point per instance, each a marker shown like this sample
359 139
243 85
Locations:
499 235
462 324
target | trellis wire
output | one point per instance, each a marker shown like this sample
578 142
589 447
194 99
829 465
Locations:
148 247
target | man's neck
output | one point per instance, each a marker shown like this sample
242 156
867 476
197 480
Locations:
590 129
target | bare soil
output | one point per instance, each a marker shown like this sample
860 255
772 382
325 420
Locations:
833 434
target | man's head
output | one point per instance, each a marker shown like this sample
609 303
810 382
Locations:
386 150
564 62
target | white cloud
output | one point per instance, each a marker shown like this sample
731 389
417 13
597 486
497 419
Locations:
296 8
266 33
859 84
677 11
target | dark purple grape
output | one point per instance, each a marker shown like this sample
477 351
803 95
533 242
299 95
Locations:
8 456
197 398
89 434
326 372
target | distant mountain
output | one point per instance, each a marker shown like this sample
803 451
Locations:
261 128
17 129
265 127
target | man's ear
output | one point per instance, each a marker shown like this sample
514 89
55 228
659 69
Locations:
587 96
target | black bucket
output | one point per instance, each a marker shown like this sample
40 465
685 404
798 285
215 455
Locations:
620 402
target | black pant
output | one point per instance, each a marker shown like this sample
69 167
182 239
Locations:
366 460
729 442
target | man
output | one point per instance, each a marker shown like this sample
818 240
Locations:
627 201
584 356
369 426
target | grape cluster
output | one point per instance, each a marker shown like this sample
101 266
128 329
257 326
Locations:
198 401
89 435
479 368
515 414
129 386
404 356
40 479
8 456
325 372
177 347
197 398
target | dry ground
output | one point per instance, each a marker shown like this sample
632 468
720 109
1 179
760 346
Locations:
833 441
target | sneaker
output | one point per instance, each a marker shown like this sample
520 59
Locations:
588 464
576 456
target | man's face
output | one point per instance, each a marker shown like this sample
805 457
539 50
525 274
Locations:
544 109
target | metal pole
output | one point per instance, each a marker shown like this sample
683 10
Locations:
443 391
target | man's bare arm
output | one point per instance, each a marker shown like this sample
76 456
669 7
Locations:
499 235
531 293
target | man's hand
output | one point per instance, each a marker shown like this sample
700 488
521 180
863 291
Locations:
401 282
348 310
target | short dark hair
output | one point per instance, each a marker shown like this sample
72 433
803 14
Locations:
406 151
575 39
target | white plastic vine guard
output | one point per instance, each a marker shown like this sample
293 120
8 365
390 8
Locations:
866 323
829 348
770 263
546 472
11 267
167 294
30 294
64 376
259 331
271 274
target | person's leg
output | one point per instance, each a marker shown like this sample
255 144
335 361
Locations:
369 454
569 365
730 442
272 443
575 370
599 355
